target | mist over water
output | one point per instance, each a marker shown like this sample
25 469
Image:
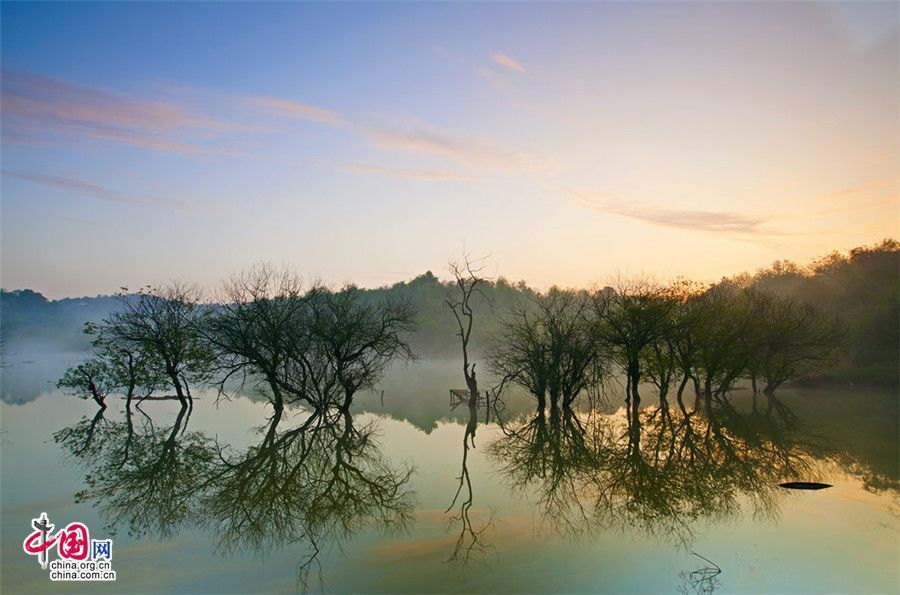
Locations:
428 297
416 495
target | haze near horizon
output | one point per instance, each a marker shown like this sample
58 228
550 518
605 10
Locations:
372 142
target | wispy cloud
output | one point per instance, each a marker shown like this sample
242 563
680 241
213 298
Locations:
303 111
414 136
42 108
722 222
474 151
422 175
497 77
507 61
88 189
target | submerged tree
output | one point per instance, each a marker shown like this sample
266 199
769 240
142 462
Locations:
163 323
633 316
468 277
319 346
91 379
351 342
135 371
792 339
260 332
549 346
113 366
725 318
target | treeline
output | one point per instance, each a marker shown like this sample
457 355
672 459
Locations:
861 288
320 347
835 320
566 344
28 316
299 345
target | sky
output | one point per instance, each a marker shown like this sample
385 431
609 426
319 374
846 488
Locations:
370 142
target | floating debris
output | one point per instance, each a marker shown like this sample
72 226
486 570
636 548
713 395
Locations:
805 485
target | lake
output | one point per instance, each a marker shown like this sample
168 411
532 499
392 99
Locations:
400 496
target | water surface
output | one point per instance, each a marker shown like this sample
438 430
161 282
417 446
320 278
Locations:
402 497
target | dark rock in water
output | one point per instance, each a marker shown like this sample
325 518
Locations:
805 485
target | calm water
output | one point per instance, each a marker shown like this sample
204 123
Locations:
401 496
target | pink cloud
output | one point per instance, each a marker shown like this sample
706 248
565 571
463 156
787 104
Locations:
507 61
413 136
88 189
40 107
303 111
422 175
690 219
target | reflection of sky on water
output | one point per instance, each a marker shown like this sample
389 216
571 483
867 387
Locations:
841 539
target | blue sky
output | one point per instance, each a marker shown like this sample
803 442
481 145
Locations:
371 142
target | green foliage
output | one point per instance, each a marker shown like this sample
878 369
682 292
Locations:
317 345
862 289
352 340
163 326
734 323
26 315
550 346
91 379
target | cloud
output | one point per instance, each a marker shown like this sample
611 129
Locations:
303 111
157 143
87 189
506 61
413 136
694 220
423 139
478 152
42 108
422 175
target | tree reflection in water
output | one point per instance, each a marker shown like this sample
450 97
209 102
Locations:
313 484
660 470
703 580
144 477
319 482
653 469
470 544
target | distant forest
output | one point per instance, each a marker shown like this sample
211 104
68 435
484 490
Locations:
862 288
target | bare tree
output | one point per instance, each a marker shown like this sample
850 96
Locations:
793 339
519 354
259 332
468 276
352 340
549 346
